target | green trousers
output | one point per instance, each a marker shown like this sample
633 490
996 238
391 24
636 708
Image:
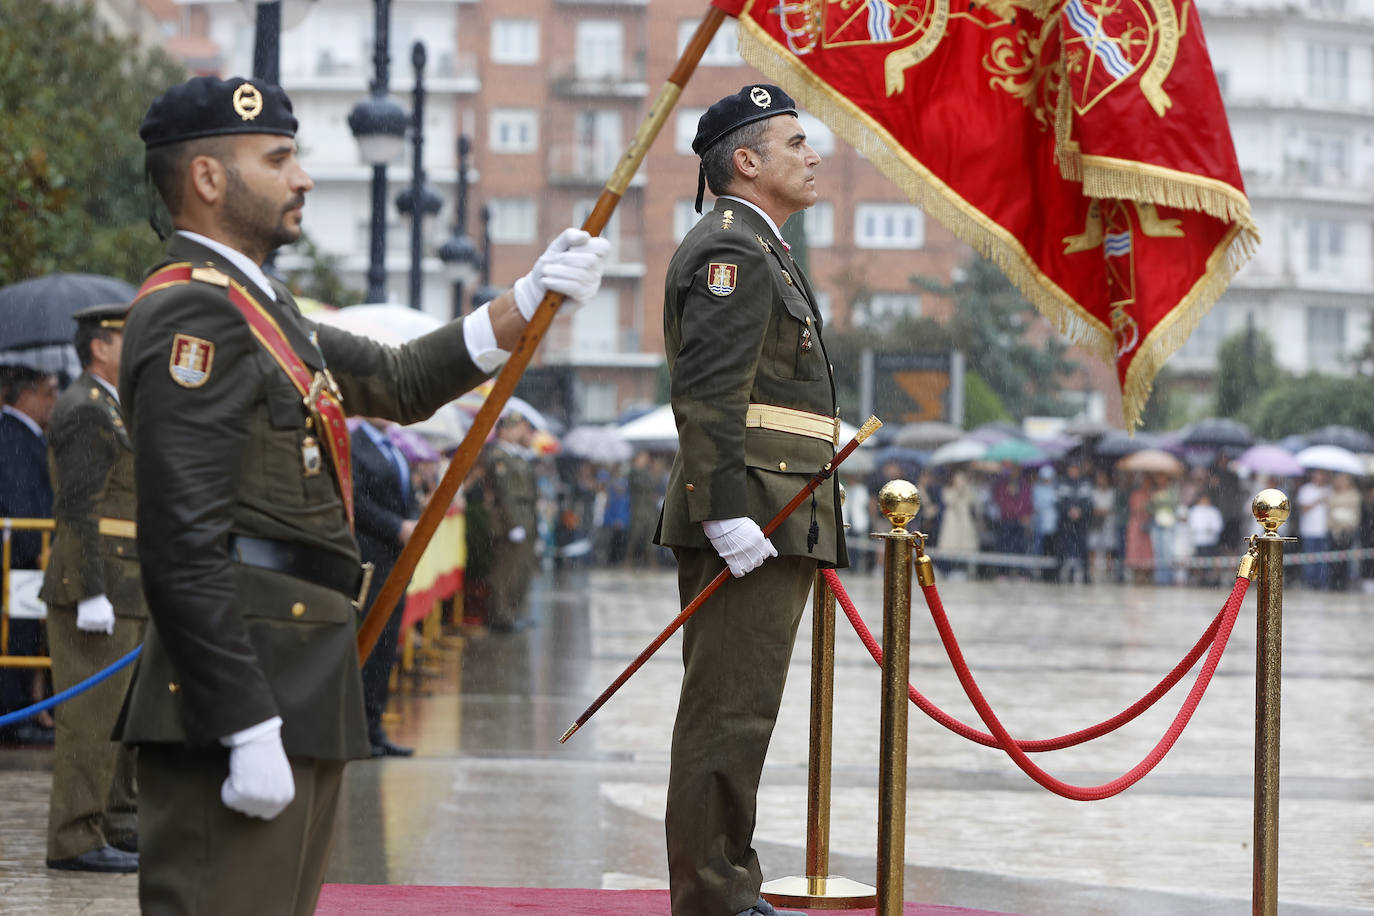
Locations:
736 650
93 797
199 857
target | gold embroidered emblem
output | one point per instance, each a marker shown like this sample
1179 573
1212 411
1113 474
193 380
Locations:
247 101
191 360
721 277
727 219
788 277
914 28
95 394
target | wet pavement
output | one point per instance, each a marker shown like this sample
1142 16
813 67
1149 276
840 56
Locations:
492 798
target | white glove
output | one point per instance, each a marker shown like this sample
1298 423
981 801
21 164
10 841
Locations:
260 782
517 534
571 265
95 615
740 543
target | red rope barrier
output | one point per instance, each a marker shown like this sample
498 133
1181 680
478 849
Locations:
1221 628
1029 745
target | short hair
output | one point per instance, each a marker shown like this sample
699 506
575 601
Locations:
15 380
719 160
167 165
86 332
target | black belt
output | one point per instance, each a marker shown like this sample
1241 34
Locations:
320 567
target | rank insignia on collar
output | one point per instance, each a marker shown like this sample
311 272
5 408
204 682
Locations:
720 278
191 360
95 394
766 247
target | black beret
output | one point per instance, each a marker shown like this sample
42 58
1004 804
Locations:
207 106
107 316
750 104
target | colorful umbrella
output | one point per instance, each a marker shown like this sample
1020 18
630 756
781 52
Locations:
1269 459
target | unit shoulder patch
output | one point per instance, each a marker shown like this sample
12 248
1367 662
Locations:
191 360
721 277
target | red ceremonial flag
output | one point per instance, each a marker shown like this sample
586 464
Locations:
1080 144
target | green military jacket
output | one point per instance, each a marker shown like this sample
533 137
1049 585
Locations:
511 484
91 465
741 327
226 450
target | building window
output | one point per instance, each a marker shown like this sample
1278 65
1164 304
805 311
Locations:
598 146
514 41
1325 337
1202 345
1328 72
886 308
821 138
1325 246
582 209
824 305
888 226
723 51
598 402
1327 159
819 222
685 129
514 130
685 216
600 49
596 324
512 219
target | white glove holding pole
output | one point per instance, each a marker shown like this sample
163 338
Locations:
571 265
260 783
95 615
740 543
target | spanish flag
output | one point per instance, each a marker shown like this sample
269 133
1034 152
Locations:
1080 144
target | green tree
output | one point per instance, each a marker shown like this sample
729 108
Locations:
319 278
1246 369
72 192
1306 402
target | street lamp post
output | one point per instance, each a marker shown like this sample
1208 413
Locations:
379 126
485 292
417 171
459 253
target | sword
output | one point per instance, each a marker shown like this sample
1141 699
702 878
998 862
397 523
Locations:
820 477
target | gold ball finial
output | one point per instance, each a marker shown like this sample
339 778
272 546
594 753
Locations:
1271 509
899 501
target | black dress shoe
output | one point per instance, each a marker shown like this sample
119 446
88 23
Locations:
126 844
106 858
385 748
764 908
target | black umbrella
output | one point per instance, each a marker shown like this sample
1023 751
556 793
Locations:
38 312
1118 443
1218 432
1347 437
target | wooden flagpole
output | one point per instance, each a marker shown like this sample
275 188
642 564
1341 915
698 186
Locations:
466 455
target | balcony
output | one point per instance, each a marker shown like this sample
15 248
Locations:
627 81
445 72
579 166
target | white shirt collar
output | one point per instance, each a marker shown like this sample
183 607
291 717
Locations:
23 418
238 259
114 392
768 219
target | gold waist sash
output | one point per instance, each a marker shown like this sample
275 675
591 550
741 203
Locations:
798 422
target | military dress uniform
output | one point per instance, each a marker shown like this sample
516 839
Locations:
93 553
754 401
511 504
250 570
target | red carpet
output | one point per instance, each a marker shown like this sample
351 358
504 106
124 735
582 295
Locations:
379 899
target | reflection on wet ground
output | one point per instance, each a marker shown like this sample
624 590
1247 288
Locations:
492 798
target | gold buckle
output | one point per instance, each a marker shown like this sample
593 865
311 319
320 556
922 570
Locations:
368 570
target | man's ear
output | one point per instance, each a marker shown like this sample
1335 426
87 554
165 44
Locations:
746 162
207 178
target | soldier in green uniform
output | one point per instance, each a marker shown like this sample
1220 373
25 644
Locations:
95 604
247 700
754 402
514 524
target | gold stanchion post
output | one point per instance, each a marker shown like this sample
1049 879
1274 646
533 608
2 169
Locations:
819 889
1271 509
899 501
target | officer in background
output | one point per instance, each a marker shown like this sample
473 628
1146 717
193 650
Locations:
96 613
247 700
513 521
386 509
754 401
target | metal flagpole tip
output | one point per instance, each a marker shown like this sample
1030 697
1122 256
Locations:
569 733
1271 509
899 501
